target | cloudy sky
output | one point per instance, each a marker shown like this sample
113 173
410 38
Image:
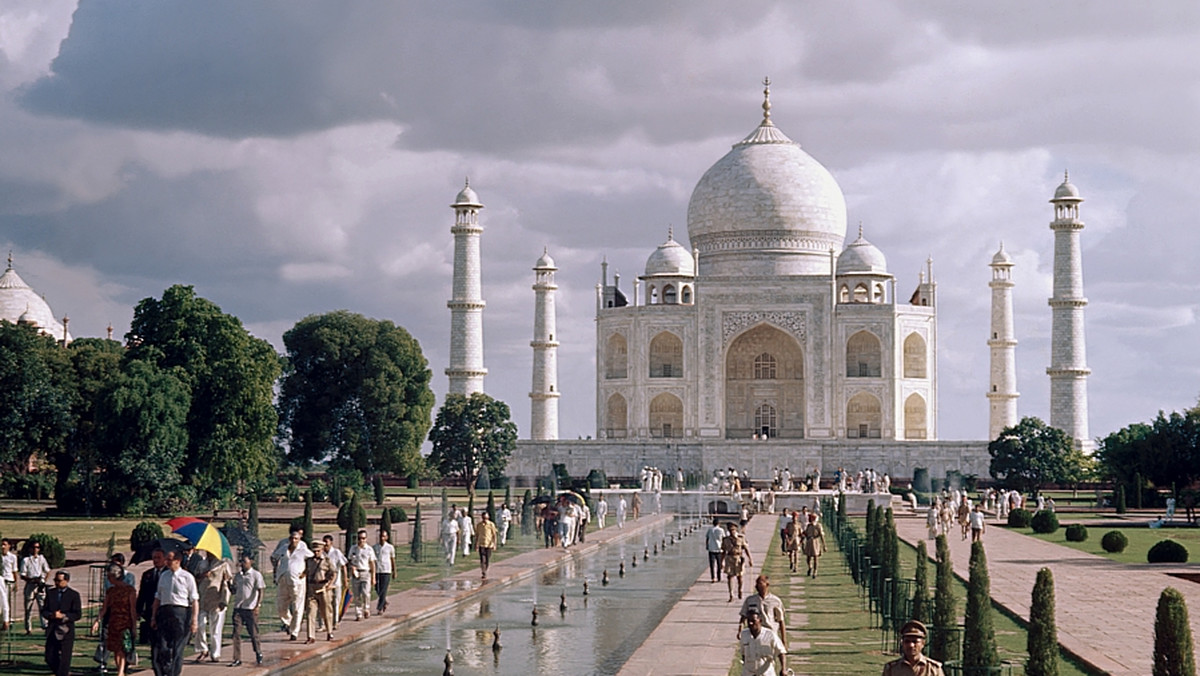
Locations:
296 157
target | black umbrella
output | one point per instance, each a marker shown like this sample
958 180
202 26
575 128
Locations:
145 551
240 537
542 500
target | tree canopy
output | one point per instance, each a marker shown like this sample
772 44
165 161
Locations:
231 376
1164 451
95 363
35 398
355 392
1031 454
471 433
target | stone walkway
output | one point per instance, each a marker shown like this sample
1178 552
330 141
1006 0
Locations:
1105 610
699 635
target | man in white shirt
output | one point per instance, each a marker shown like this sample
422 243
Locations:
8 582
466 531
385 565
601 512
712 542
450 537
248 586
505 518
621 507
34 571
760 648
176 608
289 593
339 561
362 570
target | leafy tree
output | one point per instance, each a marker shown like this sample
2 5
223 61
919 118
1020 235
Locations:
1042 642
920 600
35 400
94 364
944 645
1165 451
1031 453
471 433
1173 654
979 636
231 420
142 438
356 391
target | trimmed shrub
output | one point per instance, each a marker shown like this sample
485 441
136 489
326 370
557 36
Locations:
1019 518
1044 521
920 599
310 531
416 549
146 531
385 522
380 491
1173 654
413 482
944 644
1167 551
979 635
1077 532
1114 542
397 514
1042 642
52 549
252 519
1120 499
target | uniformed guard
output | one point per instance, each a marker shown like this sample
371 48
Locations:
912 662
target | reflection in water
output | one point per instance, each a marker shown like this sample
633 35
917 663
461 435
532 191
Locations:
596 636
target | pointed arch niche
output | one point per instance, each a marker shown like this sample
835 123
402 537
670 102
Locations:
764 364
666 416
914 356
666 356
864 417
616 417
864 356
915 417
616 357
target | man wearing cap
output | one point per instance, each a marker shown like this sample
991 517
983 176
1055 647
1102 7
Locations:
319 575
760 648
912 662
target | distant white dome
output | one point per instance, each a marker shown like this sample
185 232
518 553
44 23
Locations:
20 303
1066 190
670 259
766 208
545 262
1001 257
861 257
466 197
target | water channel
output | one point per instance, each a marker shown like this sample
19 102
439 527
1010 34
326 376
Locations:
596 634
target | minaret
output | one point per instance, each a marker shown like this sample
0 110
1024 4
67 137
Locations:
1002 392
466 369
1068 354
544 394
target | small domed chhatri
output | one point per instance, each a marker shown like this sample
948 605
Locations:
545 262
766 208
861 256
467 197
1066 190
670 259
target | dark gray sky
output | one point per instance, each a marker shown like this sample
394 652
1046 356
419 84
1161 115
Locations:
291 157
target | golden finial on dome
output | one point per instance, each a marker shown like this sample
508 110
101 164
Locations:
766 106
670 233
10 259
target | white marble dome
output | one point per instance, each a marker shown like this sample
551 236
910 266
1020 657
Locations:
861 257
466 197
766 208
1067 190
19 302
670 259
545 262
1002 257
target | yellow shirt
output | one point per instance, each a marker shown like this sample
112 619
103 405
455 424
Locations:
485 535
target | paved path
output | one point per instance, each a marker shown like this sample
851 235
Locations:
699 635
1105 610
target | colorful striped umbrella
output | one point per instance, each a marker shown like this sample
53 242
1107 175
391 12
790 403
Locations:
202 535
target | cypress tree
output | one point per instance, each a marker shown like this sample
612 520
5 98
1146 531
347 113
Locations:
891 569
944 645
920 600
416 549
527 513
872 542
385 522
1042 644
1121 499
1173 636
445 504
508 495
979 636
308 516
1137 489
491 506
252 519
380 493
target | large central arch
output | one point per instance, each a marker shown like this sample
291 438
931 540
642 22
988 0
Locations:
764 370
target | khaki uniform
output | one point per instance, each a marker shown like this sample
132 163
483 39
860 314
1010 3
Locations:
735 557
923 667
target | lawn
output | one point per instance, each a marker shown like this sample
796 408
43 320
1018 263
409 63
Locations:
1141 539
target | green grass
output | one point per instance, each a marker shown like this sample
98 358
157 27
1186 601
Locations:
1141 539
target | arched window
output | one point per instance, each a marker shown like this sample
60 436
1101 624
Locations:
686 296
666 416
844 294
864 418
764 367
914 356
652 295
864 356
669 296
764 421
666 356
879 295
616 357
861 294
616 417
914 417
